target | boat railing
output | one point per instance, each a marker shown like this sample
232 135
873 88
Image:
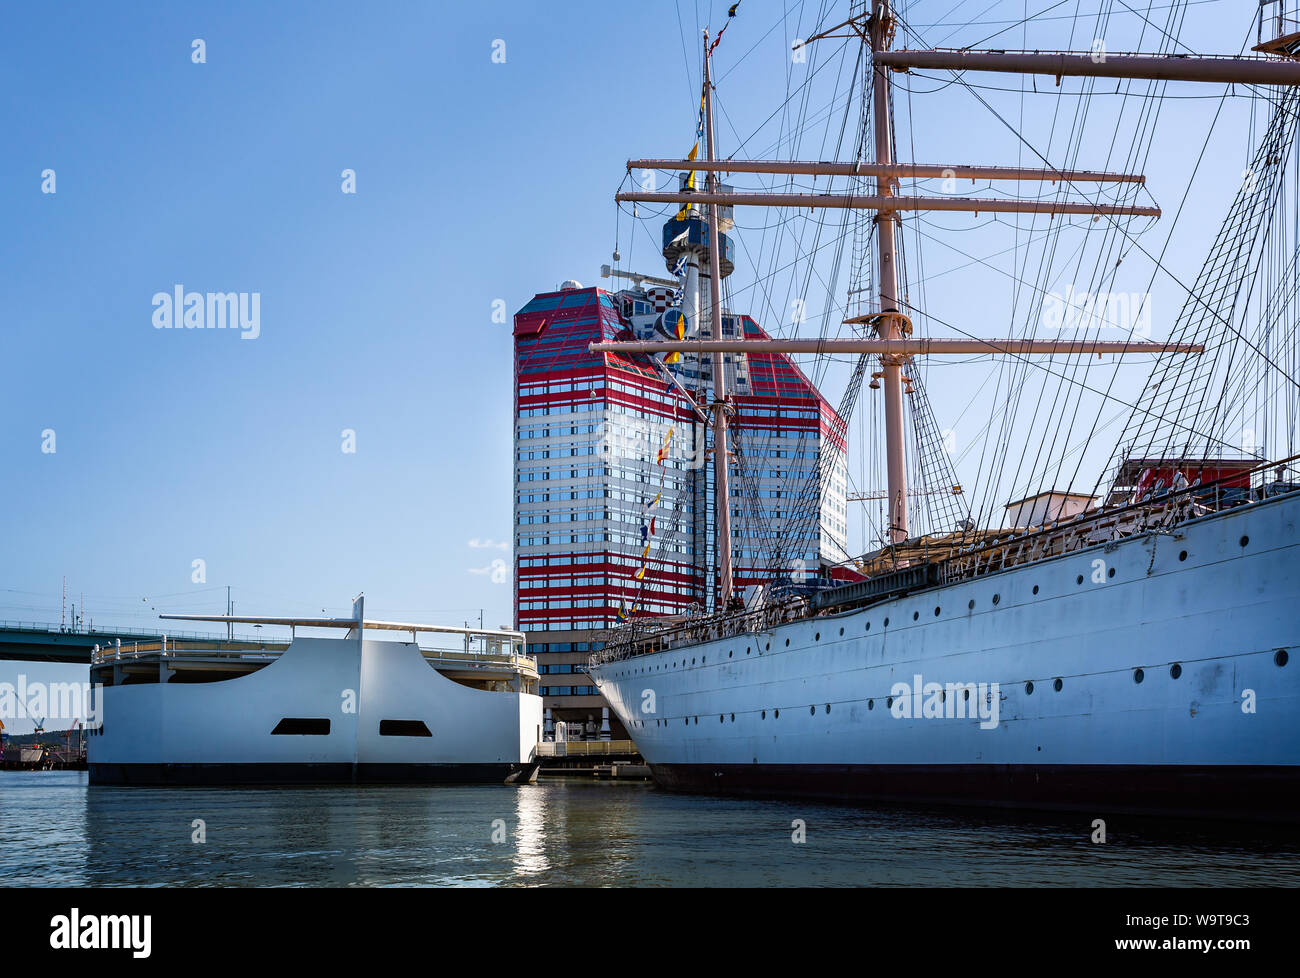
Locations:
585 748
948 562
168 647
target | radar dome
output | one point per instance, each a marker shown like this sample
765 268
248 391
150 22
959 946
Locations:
568 285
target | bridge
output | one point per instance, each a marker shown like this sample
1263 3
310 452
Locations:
29 641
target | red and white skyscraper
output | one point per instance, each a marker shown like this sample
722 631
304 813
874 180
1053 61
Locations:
614 481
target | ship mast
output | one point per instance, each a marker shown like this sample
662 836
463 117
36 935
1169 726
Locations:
888 327
721 455
893 342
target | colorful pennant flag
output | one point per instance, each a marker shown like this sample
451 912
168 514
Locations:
699 135
731 12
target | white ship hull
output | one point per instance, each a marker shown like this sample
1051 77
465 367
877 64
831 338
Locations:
325 711
807 708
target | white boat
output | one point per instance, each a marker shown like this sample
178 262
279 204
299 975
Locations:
1133 655
317 710
1160 680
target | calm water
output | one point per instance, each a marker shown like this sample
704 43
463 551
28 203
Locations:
56 830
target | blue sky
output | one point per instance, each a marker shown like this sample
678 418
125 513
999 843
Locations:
476 181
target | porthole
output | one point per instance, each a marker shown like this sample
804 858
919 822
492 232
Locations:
1057 684
1281 657
729 653
812 711
1035 588
697 721
763 715
1079 579
828 708
733 718
886 622
747 650
915 615
817 637
936 612
1244 541
768 646
868 626
889 701
971 603
686 720
841 631
776 714
1029 689
997 598
965 694
721 719
1182 555
787 642
1111 572
1138 675
1175 671
871 704
692 661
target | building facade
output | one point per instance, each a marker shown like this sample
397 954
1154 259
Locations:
614 512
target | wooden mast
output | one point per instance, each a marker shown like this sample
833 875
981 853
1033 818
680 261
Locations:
721 454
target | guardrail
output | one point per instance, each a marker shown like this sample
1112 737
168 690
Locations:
585 748
109 634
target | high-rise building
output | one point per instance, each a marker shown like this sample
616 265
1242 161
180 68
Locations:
614 501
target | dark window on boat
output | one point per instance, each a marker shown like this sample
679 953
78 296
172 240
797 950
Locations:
1111 572
886 622
1035 588
776 714
1138 675
871 704
1182 555
841 631
404 728
970 603
817 637
812 711
1079 579
305 726
1029 689
997 598
915 615
1175 671
1245 540
936 612
1281 657
1057 685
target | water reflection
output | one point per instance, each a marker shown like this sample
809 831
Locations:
530 831
56 830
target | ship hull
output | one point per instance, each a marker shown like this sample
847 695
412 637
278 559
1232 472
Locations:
1155 674
326 711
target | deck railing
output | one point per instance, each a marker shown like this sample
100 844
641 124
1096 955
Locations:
585 748
1156 513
